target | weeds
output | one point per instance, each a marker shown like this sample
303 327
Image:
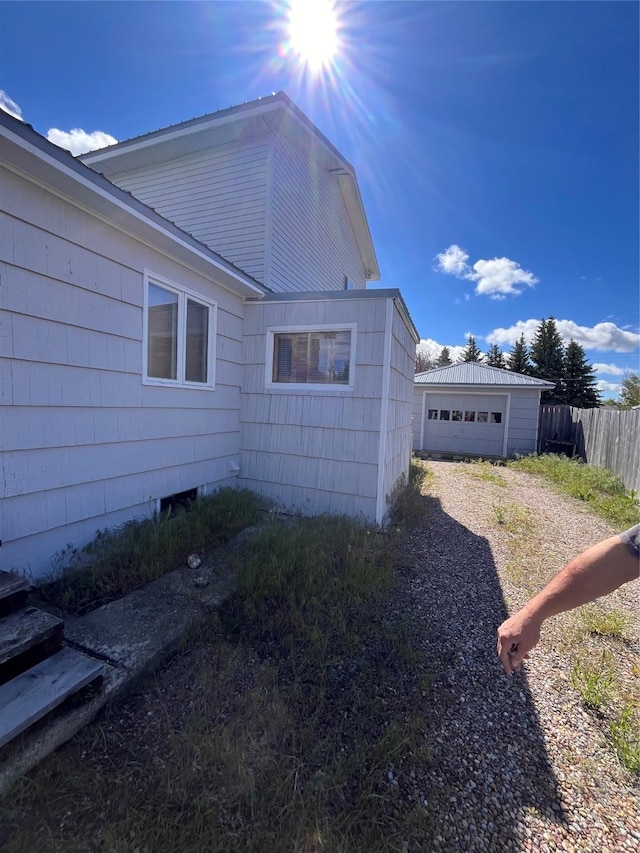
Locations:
407 501
284 743
600 488
593 681
483 470
119 561
593 619
514 518
625 735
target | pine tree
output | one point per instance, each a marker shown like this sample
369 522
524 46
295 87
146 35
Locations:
547 355
579 377
495 357
444 358
471 352
518 358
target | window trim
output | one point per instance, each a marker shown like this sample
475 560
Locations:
327 387
183 294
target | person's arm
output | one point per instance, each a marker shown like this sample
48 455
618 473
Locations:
597 571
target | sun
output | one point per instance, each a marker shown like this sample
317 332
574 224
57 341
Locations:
313 31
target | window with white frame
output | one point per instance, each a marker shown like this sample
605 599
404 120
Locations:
322 356
179 335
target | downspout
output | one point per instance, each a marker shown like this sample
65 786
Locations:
384 413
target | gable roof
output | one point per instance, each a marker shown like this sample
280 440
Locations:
24 151
275 111
476 373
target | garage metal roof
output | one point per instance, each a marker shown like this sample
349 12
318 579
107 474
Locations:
475 373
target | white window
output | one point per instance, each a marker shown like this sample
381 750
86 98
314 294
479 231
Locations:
308 357
178 336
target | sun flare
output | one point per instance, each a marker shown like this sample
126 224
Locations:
313 31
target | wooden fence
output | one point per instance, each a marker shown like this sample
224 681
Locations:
606 437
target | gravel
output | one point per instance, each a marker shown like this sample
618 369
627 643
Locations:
516 764
497 764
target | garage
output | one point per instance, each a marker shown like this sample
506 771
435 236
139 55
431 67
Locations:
471 409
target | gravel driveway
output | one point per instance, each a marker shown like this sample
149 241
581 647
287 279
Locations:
517 764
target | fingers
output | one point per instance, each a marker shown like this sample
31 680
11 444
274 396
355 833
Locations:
504 653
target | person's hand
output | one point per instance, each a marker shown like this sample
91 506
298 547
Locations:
516 637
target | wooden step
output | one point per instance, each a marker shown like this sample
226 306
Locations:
27 637
28 697
14 590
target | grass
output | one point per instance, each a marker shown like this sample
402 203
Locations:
598 487
407 502
285 745
625 735
594 619
594 681
119 561
484 470
514 518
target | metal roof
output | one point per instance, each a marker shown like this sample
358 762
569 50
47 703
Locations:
475 373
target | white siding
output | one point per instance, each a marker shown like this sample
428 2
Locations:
398 440
523 422
218 196
314 451
313 245
84 444
266 204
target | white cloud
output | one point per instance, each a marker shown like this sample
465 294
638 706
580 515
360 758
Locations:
602 336
78 141
497 278
432 349
608 387
609 369
9 105
453 261
500 278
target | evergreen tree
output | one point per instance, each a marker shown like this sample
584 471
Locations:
630 391
444 358
495 357
579 378
547 355
471 352
518 358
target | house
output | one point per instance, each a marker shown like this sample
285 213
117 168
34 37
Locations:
260 185
138 363
471 409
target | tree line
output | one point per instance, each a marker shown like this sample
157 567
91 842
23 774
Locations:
546 358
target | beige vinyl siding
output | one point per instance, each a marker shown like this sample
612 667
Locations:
85 445
312 242
218 196
398 442
314 451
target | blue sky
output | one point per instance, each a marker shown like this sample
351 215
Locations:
496 144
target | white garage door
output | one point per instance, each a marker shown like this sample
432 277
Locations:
471 424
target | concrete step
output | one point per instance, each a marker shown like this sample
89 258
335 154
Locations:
28 697
14 590
27 637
